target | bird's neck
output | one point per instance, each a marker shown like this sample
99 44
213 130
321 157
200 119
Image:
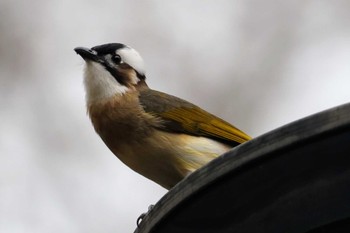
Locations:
119 115
141 85
99 84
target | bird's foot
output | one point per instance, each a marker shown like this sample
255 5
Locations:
143 215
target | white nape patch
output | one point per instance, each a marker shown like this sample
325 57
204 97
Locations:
100 84
131 57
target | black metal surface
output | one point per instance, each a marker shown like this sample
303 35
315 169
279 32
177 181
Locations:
294 179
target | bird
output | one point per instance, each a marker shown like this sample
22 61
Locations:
158 135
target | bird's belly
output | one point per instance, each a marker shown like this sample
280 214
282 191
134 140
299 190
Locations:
167 158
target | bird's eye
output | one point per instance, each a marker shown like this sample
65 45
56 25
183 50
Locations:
116 59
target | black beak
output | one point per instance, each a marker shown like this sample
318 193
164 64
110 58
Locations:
87 54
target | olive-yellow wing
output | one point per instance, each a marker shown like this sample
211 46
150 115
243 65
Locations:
181 116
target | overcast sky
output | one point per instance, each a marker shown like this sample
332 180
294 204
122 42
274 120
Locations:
257 64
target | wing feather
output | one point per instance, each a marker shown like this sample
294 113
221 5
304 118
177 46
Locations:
181 116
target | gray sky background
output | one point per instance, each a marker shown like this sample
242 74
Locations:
257 64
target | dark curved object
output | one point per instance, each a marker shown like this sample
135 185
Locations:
294 179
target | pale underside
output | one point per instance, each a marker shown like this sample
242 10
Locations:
167 158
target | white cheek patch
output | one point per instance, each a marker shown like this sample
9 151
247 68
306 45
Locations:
131 57
100 84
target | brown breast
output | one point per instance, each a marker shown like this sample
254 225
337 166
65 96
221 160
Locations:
121 118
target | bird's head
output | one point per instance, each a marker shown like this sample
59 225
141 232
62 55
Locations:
111 69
